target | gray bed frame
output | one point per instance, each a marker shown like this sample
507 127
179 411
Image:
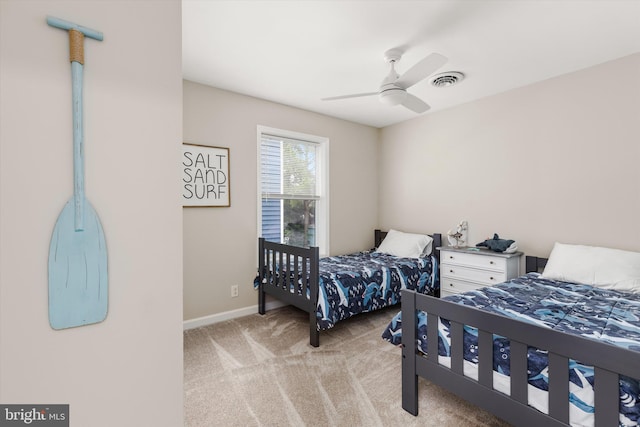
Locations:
609 362
280 257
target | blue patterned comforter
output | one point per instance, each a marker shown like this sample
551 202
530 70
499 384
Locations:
367 281
602 314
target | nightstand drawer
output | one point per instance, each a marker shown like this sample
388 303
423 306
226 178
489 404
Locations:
451 286
473 260
449 271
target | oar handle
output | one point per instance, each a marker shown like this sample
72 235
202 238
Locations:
76 56
66 25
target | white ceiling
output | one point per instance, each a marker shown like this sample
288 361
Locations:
297 52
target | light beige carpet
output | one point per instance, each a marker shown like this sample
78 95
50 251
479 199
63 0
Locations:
261 371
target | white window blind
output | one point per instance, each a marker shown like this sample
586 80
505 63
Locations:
296 177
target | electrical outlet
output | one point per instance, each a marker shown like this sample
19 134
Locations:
234 291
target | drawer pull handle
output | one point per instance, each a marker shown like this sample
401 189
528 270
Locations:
491 278
490 262
450 271
450 284
450 256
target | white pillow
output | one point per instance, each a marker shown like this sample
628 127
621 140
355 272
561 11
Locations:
602 267
406 245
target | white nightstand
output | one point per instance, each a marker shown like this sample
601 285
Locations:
466 269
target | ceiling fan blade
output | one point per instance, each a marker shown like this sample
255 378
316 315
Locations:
415 104
421 70
356 95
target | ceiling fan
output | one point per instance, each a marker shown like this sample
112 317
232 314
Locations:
393 89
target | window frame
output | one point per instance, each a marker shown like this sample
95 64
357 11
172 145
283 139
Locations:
322 204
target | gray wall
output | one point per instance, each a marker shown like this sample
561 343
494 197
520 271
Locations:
220 244
126 370
554 161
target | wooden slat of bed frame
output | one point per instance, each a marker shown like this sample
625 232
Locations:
457 346
519 371
559 387
432 337
607 397
282 277
485 358
303 274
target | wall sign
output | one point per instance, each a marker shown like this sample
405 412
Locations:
205 176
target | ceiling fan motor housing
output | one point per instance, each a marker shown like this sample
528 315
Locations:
391 94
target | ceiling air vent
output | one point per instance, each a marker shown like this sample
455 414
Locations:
446 79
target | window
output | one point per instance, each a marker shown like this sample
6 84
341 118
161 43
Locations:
292 187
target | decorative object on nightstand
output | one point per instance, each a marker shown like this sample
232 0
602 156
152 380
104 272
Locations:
497 244
458 239
466 269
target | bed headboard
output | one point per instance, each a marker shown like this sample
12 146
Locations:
380 235
534 264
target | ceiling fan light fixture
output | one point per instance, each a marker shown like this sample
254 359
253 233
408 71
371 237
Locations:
393 96
446 79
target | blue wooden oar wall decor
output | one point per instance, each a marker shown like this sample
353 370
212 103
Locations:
78 281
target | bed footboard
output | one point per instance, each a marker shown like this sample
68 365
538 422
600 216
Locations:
290 273
609 362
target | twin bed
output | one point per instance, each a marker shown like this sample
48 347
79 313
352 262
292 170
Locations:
332 289
541 349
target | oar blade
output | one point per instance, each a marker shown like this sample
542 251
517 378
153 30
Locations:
78 276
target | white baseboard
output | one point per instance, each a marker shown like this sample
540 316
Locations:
227 315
